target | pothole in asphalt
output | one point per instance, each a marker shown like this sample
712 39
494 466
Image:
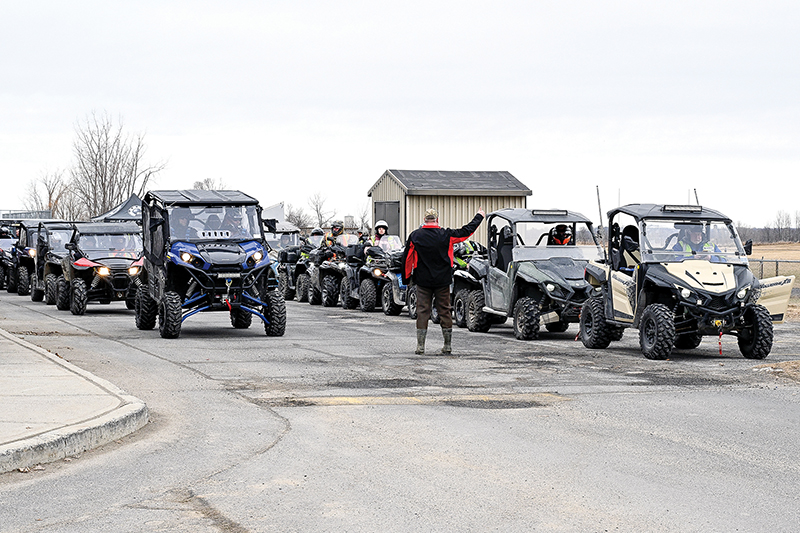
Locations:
396 383
494 404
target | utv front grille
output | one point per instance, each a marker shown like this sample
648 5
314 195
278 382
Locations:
718 303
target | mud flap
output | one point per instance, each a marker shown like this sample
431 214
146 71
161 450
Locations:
775 293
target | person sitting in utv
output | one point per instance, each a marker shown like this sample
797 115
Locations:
692 241
182 229
233 223
560 235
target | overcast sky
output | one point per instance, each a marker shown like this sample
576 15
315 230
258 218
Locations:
647 100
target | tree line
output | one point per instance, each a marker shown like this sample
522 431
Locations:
784 228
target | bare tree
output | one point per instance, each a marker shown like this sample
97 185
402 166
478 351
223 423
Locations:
210 184
318 212
783 225
363 218
109 164
298 217
46 193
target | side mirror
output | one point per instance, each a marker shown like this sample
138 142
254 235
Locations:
70 246
748 247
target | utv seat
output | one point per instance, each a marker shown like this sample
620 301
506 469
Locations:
504 247
630 254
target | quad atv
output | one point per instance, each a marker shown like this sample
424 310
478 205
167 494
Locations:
330 264
349 288
534 271
285 249
298 273
22 257
678 273
50 252
8 238
378 278
100 261
205 251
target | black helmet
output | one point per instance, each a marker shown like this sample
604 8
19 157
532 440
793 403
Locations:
337 227
317 231
561 234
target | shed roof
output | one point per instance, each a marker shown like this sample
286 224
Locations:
456 182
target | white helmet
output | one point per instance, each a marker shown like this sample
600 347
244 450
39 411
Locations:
382 224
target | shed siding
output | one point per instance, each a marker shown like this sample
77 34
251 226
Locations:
387 190
455 211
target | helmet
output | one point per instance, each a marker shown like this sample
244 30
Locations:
337 227
363 231
561 234
317 231
381 224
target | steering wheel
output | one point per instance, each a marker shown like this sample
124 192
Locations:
666 243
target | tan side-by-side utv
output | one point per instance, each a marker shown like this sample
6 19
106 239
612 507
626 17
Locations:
678 273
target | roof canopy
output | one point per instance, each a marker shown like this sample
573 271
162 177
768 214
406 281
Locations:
128 211
107 228
547 216
669 212
456 182
200 197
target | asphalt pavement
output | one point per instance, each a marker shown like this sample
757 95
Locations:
51 409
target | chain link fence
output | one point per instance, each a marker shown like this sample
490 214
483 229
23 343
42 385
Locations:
767 268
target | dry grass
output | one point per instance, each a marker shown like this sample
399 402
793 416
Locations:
786 369
782 250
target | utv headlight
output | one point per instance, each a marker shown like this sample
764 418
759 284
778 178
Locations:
133 270
186 257
32 252
378 272
103 271
685 293
550 287
258 256
742 294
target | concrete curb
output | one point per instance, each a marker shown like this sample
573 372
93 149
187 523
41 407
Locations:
130 415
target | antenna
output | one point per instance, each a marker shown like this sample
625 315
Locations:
600 226
696 198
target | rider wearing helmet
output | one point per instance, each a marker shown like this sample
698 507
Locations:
337 228
560 235
381 229
363 235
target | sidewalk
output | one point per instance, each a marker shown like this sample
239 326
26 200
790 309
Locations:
50 409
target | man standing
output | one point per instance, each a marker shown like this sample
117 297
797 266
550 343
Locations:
428 261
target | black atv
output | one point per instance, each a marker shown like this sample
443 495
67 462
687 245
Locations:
9 232
23 255
300 271
100 262
379 278
205 251
534 271
329 267
285 245
50 252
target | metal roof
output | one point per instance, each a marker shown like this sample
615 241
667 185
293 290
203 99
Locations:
547 216
669 212
200 197
455 182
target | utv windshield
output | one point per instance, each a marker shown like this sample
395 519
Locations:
279 241
207 223
676 241
346 239
98 246
58 238
541 240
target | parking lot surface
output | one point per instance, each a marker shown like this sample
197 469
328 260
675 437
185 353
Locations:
338 426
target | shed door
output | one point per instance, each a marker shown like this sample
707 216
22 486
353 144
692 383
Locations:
390 212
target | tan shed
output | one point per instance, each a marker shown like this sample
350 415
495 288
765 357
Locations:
400 197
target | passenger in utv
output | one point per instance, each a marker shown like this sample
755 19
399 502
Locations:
428 261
